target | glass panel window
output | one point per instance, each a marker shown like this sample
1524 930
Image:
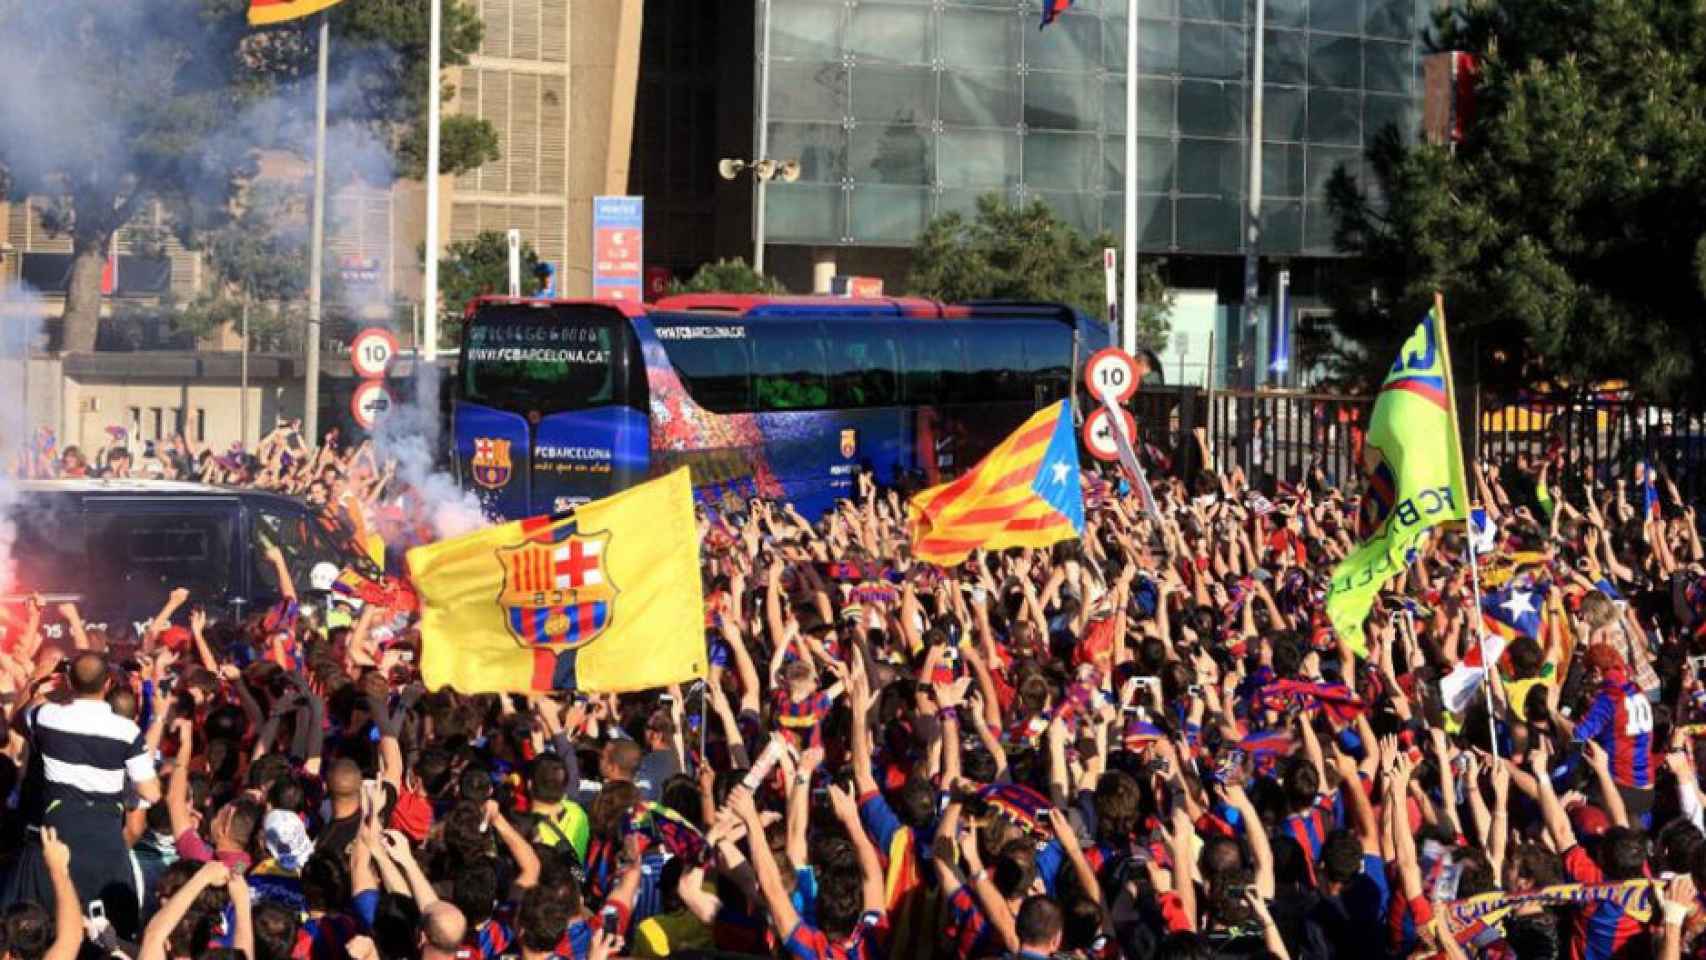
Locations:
1282 170
1210 51
1389 18
1282 226
1290 13
890 33
980 98
863 365
1283 113
1210 109
1155 97
935 364
711 360
1211 167
805 212
821 149
1335 116
1335 61
808 91
889 214
978 158
1387 66
805 29
1061 161
1061 101
1155 219
979 38
1380 112
1157 49
1154 164
1070 43
787 365
1285 57
894 95
893 153
1342 16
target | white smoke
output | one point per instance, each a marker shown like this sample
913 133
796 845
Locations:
20 325
409 435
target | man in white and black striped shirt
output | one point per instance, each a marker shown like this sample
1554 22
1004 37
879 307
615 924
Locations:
81 756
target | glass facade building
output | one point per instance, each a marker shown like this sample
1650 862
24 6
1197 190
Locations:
902 109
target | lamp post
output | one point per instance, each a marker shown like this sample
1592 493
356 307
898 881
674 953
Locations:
763 169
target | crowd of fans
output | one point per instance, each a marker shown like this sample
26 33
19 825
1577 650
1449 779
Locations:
1144 743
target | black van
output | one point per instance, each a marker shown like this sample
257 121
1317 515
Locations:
123 545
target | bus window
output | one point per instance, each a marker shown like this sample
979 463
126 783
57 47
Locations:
995 357
711 361
1048 352
787 365
862 365
161 551
935 364
546 360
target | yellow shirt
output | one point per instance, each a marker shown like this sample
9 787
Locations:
659 935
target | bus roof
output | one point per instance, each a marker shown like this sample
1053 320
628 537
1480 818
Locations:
747 304
757 306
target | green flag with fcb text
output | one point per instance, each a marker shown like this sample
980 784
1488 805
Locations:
1412 462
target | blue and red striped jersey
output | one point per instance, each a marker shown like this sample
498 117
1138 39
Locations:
1621 721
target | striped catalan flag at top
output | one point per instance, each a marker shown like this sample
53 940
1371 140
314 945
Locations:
1053 9
1025 493
263 12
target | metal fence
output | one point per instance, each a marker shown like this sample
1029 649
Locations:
1282 435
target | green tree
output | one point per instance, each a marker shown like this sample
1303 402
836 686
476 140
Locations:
727 276
477 267
1567 230
1026 253
108 108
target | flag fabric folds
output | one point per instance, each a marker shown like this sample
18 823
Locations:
605 599
1516 610
1025 493
1413 467
1649 494
1458 688
264 12
1053 9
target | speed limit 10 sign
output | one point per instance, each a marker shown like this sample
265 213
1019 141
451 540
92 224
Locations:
1099 433
1111 370
371 351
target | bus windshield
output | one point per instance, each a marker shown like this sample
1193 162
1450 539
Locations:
535 360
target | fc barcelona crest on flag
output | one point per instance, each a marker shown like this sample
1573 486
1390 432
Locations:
556 592
849 443
490 463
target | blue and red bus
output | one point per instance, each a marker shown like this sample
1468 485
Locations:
562 401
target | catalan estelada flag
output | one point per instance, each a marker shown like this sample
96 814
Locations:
1052 9
263 12
604 599
1025 493
1413 470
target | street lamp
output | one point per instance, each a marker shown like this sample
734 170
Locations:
763 171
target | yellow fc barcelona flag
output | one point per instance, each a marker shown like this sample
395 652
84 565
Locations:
1412 465
264 12
605 599
1025 493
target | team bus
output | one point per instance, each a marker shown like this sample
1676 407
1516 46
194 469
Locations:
558 401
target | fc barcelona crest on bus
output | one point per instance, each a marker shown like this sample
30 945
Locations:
849 443
557 594
491 466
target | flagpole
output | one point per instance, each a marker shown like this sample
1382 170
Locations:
1490 669
316 243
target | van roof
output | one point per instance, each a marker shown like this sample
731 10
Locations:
140 487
